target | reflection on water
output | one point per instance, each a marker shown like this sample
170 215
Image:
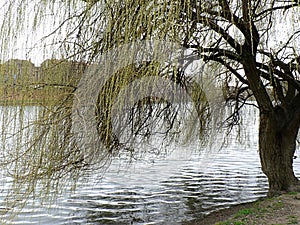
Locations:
186 185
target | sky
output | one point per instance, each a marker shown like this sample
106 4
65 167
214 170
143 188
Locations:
28 45
19 45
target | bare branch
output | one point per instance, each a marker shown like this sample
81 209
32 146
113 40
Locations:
273 9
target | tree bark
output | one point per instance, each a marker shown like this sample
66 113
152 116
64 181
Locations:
277 145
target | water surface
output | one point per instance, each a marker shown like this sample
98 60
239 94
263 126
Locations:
187 184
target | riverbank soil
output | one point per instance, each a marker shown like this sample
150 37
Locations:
284 209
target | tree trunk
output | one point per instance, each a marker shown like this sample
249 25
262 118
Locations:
277 145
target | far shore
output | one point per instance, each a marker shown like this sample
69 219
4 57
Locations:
29 96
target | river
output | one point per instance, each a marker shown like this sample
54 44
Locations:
186 184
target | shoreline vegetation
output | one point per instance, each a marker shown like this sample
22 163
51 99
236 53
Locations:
23 83
279 210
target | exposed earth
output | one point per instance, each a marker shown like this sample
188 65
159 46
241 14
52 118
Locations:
284 209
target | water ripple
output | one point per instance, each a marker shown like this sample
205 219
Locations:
167 192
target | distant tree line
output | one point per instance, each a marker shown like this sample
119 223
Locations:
58 72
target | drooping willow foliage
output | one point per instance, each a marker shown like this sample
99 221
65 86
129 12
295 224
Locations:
84 31
49 151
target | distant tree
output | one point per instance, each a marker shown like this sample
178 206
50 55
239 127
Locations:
18 71
240 36
61 72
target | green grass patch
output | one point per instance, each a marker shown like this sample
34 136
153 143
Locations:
293 220
276 205
231 223
244 212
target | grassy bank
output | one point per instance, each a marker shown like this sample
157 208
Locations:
284 209
21 95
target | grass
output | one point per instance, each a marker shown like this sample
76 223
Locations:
231 223
292 219
293 193
244 212
240 218
266 208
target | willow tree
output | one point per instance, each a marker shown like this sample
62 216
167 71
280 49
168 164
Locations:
242 37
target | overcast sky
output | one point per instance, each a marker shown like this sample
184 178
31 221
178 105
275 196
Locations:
28 46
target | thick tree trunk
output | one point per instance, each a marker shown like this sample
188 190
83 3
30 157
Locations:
277 145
